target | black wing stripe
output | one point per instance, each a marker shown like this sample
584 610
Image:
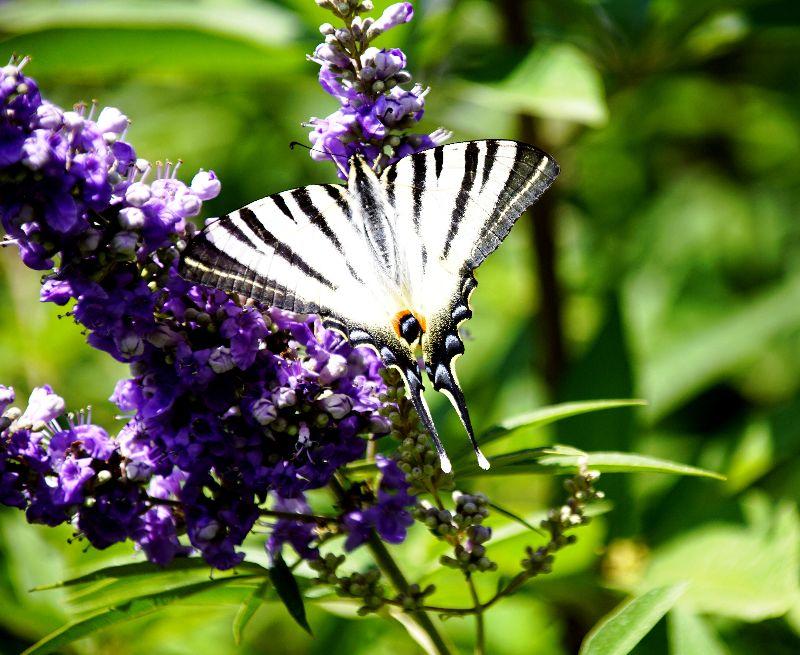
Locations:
280 248
377 226
236 232
257 227
419 171
336 194
438 156
317 219
280 203
391 176
467 182
305 203
489 159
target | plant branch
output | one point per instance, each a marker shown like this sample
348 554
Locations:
480 632
542 223
391 570
273 513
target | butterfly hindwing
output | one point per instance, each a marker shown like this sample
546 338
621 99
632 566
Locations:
454 205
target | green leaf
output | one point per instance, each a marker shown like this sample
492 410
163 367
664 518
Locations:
96 40
553 81
285 584
689 634
247 610
699 358
515 517
414 631
749 573
619 632
550 460
130 609
265 23
143 569
542 416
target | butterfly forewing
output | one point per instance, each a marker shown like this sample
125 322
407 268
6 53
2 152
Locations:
365 256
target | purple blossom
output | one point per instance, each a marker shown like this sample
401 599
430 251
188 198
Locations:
376 112
43 406
392 16
226 406
389 516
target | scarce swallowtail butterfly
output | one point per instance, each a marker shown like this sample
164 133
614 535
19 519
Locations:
389 259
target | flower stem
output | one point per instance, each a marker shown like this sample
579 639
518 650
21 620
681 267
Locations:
480 632
392 571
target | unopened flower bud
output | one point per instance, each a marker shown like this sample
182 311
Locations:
73 120
206 185
338 405
264 412
221 360
131 218
112 120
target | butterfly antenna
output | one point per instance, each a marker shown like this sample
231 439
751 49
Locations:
415 388
334 157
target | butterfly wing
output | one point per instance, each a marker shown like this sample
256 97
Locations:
322 250
454 205
299 250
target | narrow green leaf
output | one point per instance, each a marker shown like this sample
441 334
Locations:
130 609
143 569
543 460
414 630
689 634
515 517
247 610
619 632
285 584
542 416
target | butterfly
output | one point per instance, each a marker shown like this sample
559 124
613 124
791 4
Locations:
388 260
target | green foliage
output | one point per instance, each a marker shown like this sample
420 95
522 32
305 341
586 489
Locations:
620 631
285 584
675 123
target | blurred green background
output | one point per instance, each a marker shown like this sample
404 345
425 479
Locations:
677 257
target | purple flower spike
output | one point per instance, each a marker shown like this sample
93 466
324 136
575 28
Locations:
226 405
376 111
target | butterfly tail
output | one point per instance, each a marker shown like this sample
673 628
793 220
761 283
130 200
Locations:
414 388
444 380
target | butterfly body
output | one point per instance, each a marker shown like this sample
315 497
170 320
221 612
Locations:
388 260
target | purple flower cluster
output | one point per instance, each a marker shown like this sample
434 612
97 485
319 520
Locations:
59 469
389 515
228 408
376 109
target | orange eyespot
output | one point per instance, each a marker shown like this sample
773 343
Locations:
398 317
408 326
